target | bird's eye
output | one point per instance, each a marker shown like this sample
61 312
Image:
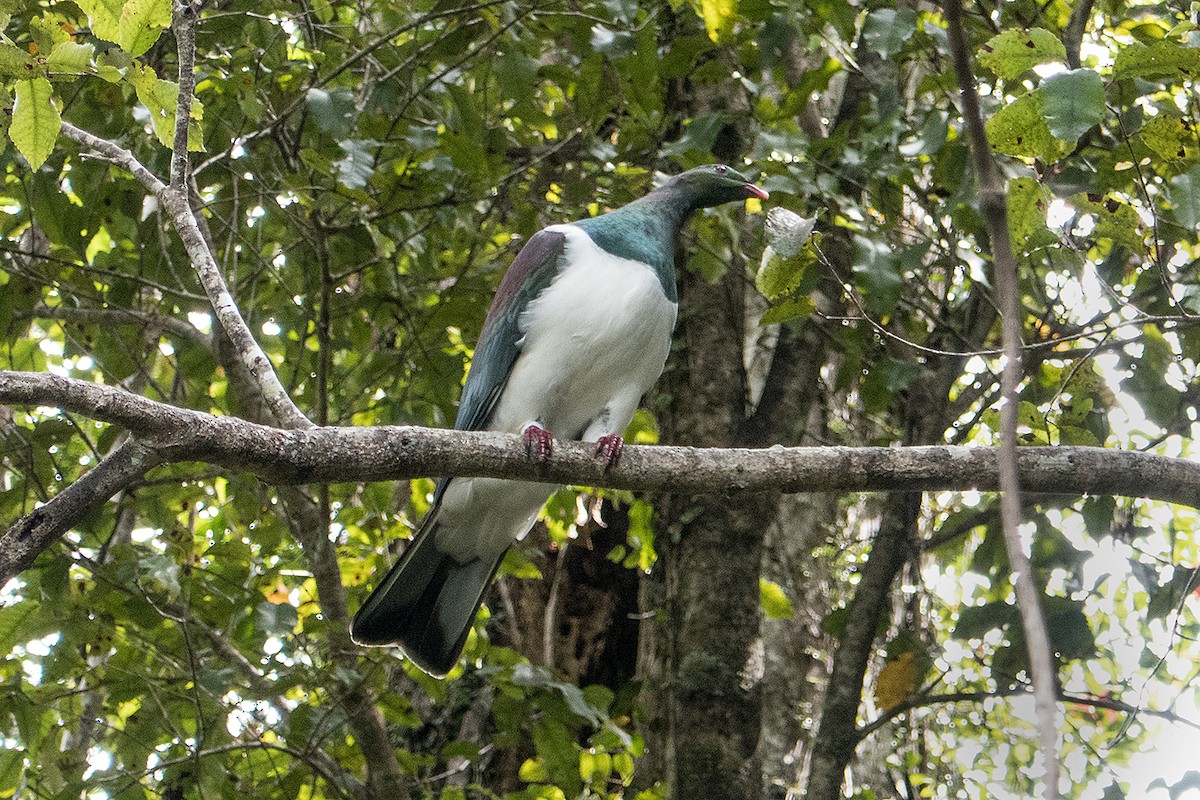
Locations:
720 169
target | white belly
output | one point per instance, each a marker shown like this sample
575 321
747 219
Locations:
595 341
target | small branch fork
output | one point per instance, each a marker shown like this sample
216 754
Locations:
993 203
175 200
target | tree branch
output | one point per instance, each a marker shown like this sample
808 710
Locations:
36 531
230 318
994 205
388 453
169 434
922 700
109 316
183 23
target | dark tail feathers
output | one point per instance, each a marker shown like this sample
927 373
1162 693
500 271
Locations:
426 604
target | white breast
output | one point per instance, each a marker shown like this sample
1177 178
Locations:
595 340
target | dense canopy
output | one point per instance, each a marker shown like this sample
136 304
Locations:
191 349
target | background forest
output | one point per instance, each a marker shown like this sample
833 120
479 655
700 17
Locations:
361 173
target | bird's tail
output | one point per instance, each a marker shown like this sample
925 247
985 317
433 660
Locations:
426 603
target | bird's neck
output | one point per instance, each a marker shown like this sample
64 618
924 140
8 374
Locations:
645 231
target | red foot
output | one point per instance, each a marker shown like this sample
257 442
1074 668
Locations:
538 442
610 447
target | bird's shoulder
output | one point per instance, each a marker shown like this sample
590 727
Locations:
531 271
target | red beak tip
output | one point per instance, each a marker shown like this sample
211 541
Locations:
761 194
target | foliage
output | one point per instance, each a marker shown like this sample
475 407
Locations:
367 170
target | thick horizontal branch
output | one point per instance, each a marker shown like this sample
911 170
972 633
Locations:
339 455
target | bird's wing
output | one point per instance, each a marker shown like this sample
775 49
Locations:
500 341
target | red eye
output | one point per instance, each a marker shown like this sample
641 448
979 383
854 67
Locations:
720 169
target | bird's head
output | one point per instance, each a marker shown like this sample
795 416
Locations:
713 185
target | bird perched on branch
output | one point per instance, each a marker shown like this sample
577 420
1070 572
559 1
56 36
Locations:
578 332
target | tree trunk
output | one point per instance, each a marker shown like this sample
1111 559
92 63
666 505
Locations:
703 656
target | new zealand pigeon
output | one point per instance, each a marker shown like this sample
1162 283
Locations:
578 332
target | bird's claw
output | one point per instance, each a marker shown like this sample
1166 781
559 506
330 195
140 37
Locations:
610 447
538 442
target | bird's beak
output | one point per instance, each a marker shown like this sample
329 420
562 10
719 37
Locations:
754 191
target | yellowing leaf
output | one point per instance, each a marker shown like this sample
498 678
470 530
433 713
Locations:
35 121
896 681
788 310
775 603
1160 58
162 98
1019 129
533 771
277 594
1167 136
15 62
718 16
1027 204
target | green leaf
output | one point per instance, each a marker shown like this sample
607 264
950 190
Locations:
1165 58
13 624
1072 103
1185 197
699 135
1027 204
141 23
775 603
71 58
15 62
887 29
779 276
1147 383
278 619
355 170
35 121
12 765
324 11
788 310
1019 129
880 274
975 621
333 110
577 702
1013 52
557 750
160 573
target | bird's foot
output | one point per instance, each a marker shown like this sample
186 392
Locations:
610 446
538 442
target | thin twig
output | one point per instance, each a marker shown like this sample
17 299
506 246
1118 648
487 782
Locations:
993 203
923 700
184 25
